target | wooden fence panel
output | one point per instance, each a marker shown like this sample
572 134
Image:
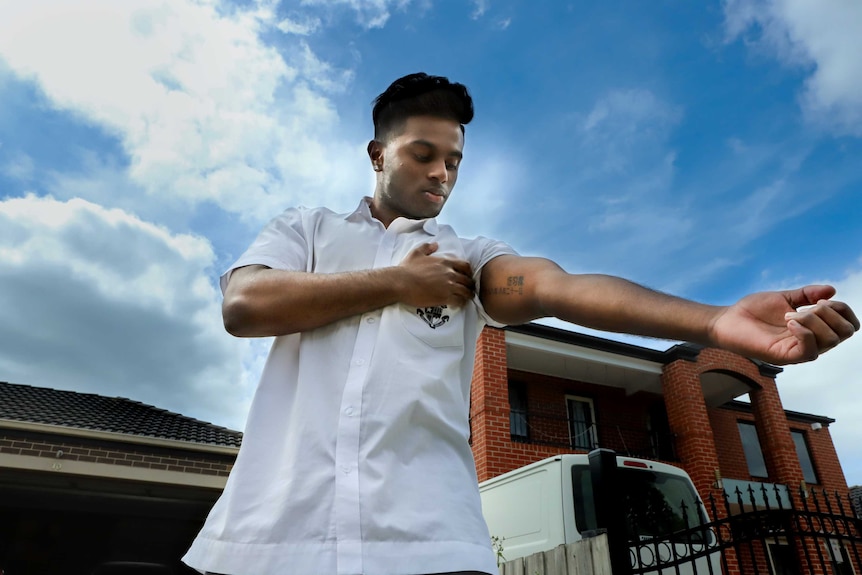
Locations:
585 557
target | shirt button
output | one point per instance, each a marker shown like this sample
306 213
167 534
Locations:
360 362
348 412
370 320
345 469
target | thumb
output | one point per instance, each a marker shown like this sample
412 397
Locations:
426 248
808 295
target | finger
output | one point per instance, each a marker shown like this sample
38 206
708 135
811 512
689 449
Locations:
828 326
425 249
461 266
847 313
808 295
807 342
837 315
463 280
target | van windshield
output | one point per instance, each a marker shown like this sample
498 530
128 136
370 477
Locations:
653 502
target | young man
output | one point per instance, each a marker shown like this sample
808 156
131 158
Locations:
355 457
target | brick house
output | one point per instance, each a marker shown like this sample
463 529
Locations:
540 391
87 479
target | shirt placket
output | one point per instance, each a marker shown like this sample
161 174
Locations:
347 449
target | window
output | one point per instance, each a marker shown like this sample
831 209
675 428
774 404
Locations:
582 426
804 456
518 425
656 503
660 437
751 447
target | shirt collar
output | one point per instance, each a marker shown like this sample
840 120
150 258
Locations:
363 213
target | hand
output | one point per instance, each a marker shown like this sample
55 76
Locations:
770 326
432 280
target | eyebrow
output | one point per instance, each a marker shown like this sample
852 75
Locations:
426 143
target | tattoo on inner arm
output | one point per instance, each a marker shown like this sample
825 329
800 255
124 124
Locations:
514 286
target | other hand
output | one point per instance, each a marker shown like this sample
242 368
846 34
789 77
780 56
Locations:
771 326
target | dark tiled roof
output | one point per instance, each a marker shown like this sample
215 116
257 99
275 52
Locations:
100 413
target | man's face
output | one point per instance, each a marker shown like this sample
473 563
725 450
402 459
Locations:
417 168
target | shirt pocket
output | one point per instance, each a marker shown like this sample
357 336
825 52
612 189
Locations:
437 326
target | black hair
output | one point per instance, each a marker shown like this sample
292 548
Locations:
420 95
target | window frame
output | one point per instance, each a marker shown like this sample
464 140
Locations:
805 449
518 389
591 430
749 454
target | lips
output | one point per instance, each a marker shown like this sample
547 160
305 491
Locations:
436 195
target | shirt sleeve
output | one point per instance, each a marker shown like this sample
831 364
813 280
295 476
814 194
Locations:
479 252
281 245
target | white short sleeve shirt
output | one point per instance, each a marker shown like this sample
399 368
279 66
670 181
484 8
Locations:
355 458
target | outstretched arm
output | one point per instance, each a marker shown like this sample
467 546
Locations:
260 301
767 326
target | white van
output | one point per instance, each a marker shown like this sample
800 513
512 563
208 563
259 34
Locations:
548 503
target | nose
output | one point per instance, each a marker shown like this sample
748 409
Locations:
439 172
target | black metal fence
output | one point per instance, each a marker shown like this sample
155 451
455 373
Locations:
758 529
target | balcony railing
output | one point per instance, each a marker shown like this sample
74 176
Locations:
557 430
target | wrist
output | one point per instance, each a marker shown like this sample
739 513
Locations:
712 325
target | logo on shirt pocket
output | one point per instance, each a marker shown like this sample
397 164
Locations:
434 316
437 326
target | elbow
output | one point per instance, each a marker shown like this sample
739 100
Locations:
237 316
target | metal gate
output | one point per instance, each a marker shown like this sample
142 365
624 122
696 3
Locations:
758 529
764 530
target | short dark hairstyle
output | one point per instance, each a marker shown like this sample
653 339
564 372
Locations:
420 95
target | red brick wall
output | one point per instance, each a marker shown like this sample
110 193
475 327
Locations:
728 442
732 459
825 458
18 443
689 421
489 404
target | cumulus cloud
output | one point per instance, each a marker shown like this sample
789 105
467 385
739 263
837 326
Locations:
205 110
822 38
99 301
830 385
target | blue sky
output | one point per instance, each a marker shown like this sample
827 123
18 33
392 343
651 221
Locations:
706 149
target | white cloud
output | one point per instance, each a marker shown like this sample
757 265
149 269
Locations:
823 39
301 27
489 180
204 109
99 301
622 175
830 385
479 8
19 167
622 121
370 13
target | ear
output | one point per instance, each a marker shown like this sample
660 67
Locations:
375 154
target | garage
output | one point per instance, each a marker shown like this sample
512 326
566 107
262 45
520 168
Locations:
98 485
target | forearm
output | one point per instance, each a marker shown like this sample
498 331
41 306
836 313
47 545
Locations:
262 302
613 304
